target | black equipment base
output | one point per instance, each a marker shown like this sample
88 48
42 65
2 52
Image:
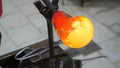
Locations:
61 60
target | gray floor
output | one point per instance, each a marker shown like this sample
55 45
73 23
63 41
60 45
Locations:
22 25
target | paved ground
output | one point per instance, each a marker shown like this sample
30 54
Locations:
22 24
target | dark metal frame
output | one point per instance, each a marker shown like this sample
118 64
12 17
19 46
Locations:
47 11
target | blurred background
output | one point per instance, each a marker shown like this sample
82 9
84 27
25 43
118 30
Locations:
21 25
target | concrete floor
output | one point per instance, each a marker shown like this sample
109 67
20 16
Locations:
22 25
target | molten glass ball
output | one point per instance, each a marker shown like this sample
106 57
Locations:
75 32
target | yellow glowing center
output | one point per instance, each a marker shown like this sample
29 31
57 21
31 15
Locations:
81 34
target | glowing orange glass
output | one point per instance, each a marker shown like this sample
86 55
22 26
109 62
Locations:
75 32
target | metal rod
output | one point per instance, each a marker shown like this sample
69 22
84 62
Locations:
39 5
77 64
50 37
55 1
49 5
49 24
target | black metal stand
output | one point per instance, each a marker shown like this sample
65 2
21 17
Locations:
50 37
47 11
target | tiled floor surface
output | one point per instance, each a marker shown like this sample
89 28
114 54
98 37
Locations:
21 25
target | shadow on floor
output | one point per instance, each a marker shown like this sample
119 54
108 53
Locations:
92 47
